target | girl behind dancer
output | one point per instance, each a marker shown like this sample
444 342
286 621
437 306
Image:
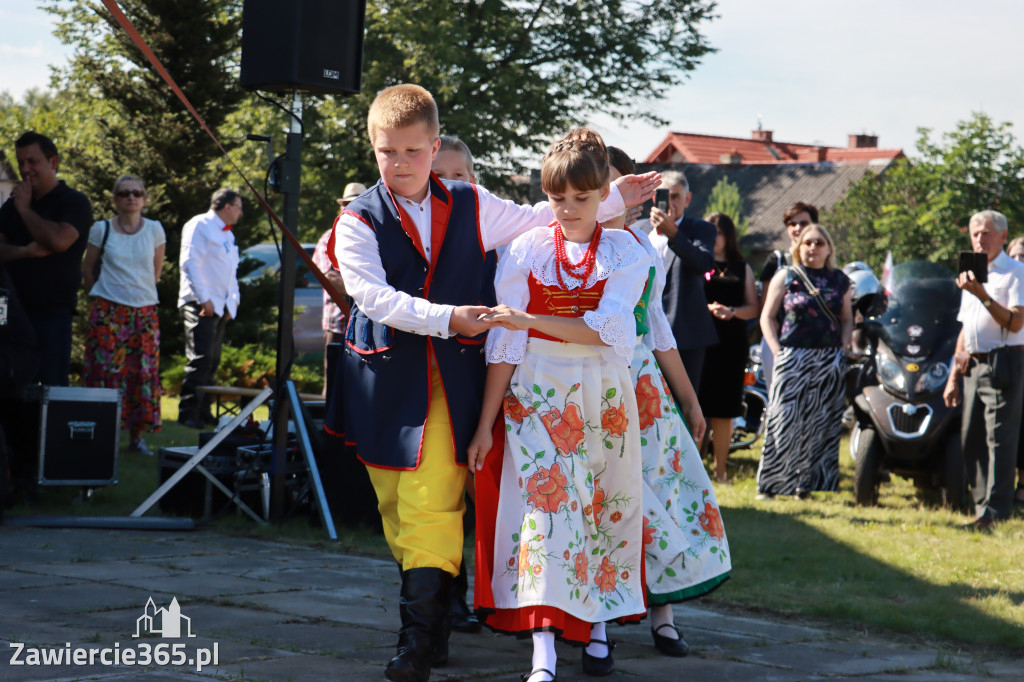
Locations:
559 552
685 548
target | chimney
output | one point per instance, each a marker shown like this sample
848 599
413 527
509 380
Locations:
863 141
761 135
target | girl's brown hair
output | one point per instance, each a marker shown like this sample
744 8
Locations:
579 159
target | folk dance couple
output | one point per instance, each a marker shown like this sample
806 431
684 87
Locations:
564 504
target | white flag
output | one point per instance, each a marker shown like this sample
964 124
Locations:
887 273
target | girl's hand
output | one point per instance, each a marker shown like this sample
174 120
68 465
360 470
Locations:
636 189
479 447
509 318
695 418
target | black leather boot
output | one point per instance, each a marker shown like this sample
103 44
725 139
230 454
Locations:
423 608
463 619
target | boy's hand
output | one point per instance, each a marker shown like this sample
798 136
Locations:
636 189
509 318
469 320
479 447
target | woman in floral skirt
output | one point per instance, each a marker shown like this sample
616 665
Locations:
122 347
559 497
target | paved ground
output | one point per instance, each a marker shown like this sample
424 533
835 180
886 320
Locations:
279 612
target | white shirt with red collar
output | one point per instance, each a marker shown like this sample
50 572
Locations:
209 264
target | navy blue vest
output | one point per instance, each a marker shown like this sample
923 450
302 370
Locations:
381 389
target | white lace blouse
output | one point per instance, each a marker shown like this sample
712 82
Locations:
659 336
620 260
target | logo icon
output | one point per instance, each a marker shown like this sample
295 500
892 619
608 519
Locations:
163 622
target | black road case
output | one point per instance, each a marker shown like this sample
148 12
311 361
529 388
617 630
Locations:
79 435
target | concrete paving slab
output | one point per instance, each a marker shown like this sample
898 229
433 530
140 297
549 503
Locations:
17 579
189 586
95 570
282 612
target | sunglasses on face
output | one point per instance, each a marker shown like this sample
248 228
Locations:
815 242
125 193
800 223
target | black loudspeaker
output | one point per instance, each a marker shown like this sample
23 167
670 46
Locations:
313 46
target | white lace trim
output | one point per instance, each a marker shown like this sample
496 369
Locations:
506 345
619 336
615 250
660 339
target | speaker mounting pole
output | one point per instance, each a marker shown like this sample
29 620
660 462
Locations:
290 185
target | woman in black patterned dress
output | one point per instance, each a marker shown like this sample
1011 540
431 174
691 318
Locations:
805 402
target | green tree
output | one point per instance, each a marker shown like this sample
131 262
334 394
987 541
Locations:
725 198
508 78
919 208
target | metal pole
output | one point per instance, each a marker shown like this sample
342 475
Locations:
290 183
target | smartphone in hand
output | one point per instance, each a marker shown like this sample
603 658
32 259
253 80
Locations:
661 199
976 263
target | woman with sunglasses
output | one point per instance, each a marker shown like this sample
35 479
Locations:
122 348
796 218
805 401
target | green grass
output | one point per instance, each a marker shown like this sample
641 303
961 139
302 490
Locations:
904 566
901 567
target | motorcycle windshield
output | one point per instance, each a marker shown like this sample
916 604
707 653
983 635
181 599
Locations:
920 318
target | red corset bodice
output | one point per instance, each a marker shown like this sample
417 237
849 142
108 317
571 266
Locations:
551 300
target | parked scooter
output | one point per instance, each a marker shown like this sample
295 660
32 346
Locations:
902 424
747 428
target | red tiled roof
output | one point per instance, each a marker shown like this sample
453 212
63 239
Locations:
694 148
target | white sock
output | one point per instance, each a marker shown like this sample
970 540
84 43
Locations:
594 649
662 615
544 656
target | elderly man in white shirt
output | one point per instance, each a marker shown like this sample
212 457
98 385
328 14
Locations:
990 357
207 297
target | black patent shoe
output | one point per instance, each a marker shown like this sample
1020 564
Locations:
667 645
599 667
525 677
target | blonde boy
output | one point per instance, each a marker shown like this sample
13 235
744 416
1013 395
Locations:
412 254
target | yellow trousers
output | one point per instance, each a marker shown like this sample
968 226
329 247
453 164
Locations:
422 509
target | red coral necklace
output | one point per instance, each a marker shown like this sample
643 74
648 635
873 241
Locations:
581 270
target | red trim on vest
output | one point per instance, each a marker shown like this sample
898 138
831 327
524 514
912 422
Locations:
367 352
557 302
476 211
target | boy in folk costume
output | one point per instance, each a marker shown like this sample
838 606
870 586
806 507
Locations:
412 251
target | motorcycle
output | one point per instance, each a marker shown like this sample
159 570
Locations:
902 425
747 428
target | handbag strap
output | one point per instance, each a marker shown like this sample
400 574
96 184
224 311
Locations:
106 233
816 293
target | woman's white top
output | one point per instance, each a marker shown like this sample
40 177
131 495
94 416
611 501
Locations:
620 260
127 276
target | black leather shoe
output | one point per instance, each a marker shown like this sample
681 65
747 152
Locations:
525 677
667 645
599 667
982 524
191 421
463 619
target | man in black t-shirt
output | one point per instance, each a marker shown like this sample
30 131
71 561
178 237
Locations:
44 227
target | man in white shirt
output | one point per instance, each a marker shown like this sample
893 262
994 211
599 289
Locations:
990 357
208 297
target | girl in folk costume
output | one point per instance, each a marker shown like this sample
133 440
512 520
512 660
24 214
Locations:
559 514
686 552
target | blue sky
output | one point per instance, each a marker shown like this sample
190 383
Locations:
813 70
